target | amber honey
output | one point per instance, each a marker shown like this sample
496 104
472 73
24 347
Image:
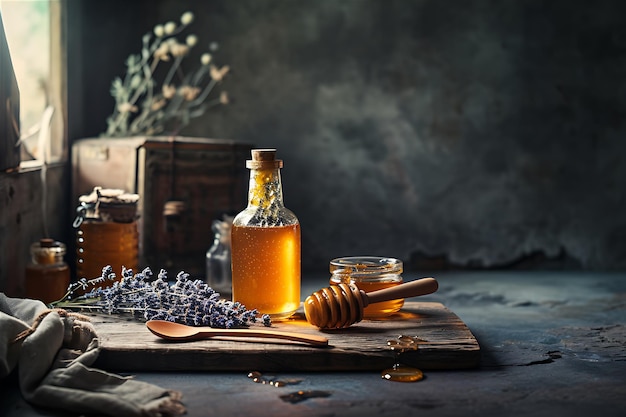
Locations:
384 308
99 244
47 283
370 273
266 268
47 277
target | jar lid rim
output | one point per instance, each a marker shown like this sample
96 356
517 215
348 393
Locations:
365 265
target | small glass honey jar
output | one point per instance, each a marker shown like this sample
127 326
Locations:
370 273
47 277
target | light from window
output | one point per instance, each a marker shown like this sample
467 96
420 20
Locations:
27 29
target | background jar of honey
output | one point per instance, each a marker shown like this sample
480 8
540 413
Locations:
99 244
47 276
370 273
107 233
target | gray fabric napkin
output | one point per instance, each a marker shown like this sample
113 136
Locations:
52 351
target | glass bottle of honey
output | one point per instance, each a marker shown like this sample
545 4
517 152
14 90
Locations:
265 242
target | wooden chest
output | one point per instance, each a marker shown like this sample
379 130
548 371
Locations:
183 183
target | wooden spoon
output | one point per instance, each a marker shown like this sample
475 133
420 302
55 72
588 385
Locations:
181 332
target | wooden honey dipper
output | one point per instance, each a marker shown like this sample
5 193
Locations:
340 306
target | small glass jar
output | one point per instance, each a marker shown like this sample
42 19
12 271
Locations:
370 273
47 277
218 259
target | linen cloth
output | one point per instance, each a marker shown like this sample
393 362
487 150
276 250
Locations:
52 350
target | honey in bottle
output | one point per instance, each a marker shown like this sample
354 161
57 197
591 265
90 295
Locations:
265 242
47 276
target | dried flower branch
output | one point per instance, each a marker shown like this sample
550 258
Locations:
147 106
190 302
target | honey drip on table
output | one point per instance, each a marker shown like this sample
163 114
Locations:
292 397
259 378
399 372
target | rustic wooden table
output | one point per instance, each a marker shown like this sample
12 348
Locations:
551 343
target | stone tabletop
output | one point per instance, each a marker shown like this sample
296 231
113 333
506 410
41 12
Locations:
552 344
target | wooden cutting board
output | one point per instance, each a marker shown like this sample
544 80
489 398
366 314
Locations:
127 345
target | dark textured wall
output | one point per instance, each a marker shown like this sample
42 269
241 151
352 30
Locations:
480 132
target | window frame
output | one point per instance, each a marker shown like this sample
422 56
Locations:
57 148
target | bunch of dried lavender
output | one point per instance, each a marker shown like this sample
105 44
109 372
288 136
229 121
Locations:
146 105
186 301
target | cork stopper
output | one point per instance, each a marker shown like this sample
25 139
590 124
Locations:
264 159
47 252
46 243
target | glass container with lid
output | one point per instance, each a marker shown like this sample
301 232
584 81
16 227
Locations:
107 232
47 276
370 273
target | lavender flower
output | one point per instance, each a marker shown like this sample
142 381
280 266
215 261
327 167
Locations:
186 301
83 283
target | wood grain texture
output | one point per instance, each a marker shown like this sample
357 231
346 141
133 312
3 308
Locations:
128 345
